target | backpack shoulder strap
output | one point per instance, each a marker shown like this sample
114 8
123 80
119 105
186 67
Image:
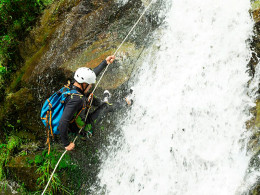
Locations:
74 91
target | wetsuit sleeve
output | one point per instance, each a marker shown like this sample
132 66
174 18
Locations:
100 67
72 106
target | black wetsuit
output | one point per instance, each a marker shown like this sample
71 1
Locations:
73 105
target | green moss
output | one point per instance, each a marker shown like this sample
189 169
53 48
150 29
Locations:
16 82
25 135
16 113
32 62
14 161
16 19
13 142
20 170
18 100
47 2
47 26
25 72
6 151
3 157
255 5
41 35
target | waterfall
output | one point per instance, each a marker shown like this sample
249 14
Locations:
185 133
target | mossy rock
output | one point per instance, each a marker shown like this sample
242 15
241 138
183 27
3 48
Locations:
91 35
20 170
26 135
12 143
20 111
47 25
255 5
254 166
118 72
254 126
19 100
3 157
255 10
257 120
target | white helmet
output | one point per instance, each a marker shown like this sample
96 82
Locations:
85 75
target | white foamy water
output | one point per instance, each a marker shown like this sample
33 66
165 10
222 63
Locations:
185 133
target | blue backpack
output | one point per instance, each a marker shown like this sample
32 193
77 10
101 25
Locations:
52 110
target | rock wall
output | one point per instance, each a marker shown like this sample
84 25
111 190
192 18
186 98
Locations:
69 34
254 124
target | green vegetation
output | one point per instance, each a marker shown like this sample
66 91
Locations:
43 163
255 5
3 158
88 128
16 20
46 163
6 151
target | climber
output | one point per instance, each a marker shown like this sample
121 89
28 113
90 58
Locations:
73 117
75 105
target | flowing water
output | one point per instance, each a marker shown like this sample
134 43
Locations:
186 133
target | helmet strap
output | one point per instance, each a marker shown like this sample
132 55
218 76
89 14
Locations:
83 89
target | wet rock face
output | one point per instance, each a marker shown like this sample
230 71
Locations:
89 32
254 123
255 42
17 111
71 34
254 61
255 47
77 33
19 170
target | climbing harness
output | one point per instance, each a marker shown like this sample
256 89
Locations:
91 95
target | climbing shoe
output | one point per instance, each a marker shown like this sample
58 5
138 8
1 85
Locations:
107 96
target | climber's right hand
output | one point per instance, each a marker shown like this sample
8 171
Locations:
110 59
70 147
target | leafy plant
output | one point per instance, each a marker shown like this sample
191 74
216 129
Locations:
13 142
2 146
3 157
6 150
88 128
46 163
56 185
2 70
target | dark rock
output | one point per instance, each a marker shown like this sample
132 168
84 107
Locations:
19 169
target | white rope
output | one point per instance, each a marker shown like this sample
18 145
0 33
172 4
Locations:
134 26
54 172
93 93
124 41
